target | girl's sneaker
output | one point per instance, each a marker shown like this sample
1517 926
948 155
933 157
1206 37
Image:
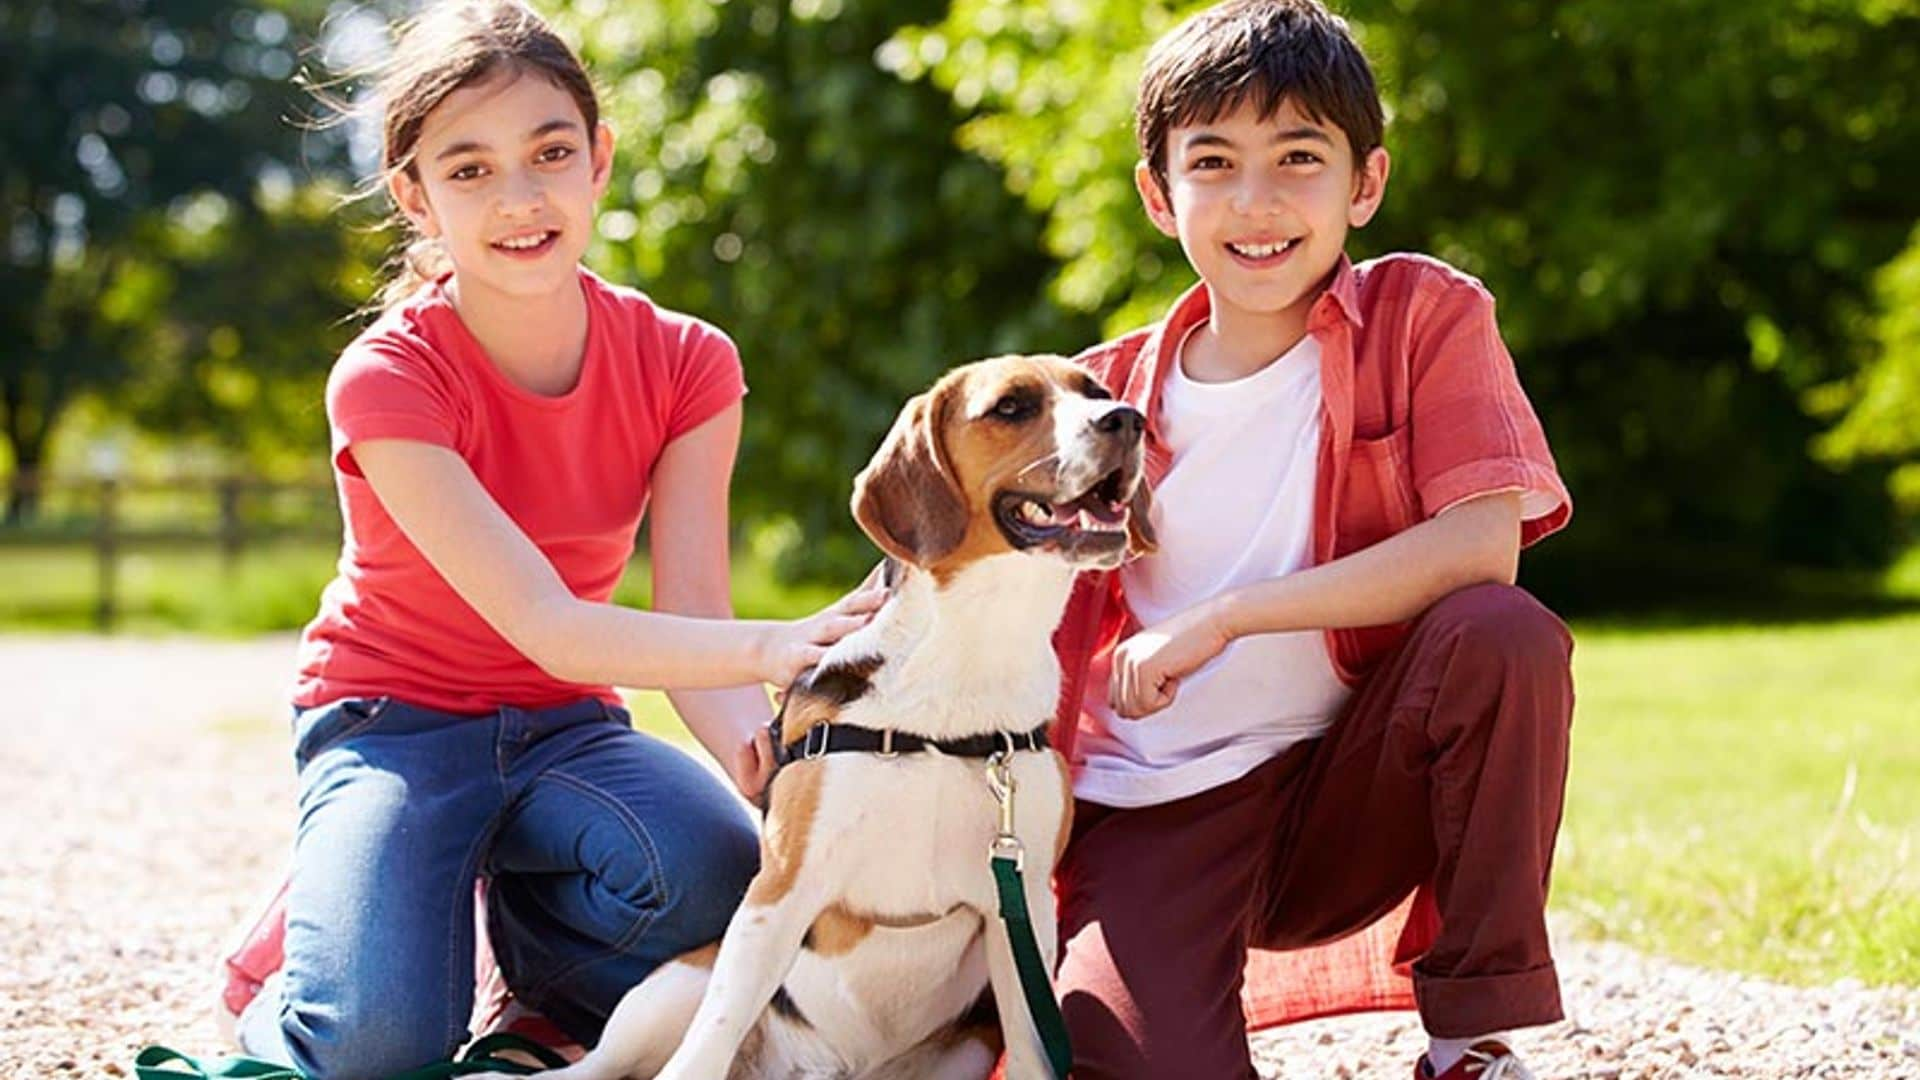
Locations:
254 958
256 1031
248 1010
494 1006
496 1009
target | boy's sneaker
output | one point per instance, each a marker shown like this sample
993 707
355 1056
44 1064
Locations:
1488 1060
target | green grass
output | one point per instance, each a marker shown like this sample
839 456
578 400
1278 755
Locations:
653 714
1749 797
270 587
1741 796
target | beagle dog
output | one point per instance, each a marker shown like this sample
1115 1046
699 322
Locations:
870 944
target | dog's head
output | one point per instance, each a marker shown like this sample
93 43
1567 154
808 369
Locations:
1019 453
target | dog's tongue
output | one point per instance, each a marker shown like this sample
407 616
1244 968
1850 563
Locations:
1086 506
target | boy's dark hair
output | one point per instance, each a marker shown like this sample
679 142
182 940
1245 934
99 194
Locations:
1259 51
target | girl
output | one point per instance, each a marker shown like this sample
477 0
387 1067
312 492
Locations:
497 434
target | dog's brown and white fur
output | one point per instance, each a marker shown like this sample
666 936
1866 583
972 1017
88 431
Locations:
869 940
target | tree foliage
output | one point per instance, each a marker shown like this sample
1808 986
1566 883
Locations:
778 181
1883 420
147 168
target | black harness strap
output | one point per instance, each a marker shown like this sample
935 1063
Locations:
824 739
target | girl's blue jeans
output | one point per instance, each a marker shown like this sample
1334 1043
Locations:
607 851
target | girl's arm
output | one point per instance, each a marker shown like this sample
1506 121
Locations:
691 576
444 511
1396 579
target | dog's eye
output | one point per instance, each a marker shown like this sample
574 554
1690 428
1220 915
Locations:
1095 390
1013 407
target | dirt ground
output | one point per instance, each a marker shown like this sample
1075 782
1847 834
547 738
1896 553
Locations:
147 802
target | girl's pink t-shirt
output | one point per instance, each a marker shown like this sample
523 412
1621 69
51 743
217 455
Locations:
572 471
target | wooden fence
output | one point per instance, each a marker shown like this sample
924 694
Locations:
228 513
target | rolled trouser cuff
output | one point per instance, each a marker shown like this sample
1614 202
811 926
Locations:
1460 1008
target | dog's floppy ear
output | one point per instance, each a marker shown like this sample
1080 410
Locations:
1140 537
907 499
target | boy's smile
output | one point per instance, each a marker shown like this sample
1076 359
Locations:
1261 206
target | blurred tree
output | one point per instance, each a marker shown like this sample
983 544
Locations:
775 179
1882 421
142 137
1680 206
247 307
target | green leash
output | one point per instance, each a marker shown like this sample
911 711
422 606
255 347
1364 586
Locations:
161 1063
1036 982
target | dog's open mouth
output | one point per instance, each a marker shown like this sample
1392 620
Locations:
1093 521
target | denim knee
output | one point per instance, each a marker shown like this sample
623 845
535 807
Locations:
685 900
394 801
701 883
366 1040
711 885
705 860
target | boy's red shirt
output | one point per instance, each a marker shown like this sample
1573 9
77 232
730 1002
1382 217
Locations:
1420 410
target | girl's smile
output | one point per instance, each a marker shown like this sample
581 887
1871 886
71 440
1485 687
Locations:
529 246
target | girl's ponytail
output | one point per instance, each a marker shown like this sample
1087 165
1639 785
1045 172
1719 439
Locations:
422 260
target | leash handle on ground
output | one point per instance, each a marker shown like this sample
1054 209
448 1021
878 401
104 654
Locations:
164 1063
1008 857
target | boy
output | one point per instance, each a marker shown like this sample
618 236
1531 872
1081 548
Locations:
1339 700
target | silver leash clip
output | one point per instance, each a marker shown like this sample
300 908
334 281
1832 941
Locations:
1000 781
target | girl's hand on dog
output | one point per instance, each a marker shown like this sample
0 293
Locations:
1148 667
790 648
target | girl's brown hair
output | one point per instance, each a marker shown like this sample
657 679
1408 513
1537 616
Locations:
450 45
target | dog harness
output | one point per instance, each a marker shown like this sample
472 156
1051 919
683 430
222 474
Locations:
1007 854
829 738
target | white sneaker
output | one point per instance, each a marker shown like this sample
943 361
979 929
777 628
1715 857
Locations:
257 1029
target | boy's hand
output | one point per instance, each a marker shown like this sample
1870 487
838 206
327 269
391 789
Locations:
1148 667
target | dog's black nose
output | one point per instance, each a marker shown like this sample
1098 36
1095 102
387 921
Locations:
1122 420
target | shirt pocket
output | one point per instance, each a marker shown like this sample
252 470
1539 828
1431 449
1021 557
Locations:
1379 500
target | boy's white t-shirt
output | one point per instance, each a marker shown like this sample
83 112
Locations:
1235 508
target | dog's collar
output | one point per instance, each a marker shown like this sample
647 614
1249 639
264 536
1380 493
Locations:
822 739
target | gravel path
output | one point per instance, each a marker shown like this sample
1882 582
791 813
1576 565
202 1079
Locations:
148 802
